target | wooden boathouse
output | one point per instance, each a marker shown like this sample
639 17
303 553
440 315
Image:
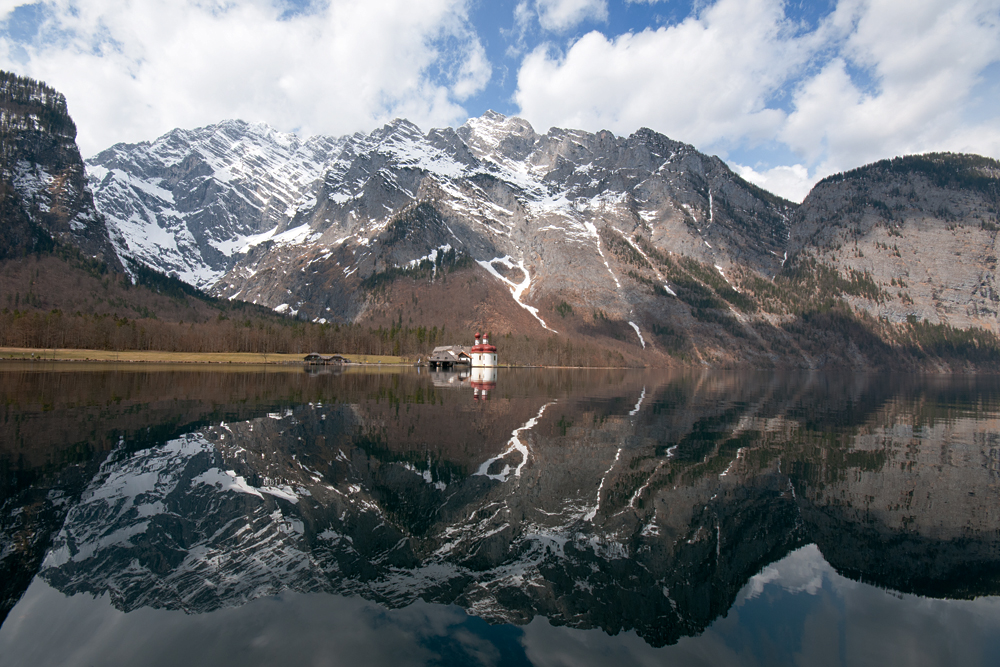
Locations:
317 359
449 356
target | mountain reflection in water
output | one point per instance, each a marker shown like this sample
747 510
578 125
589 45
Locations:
610 500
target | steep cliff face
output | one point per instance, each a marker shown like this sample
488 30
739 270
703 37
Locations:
42 179
919 232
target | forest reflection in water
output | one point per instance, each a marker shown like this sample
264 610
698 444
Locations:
536 516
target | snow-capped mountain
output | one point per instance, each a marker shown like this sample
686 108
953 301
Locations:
637 239
187 202
641 248
298 225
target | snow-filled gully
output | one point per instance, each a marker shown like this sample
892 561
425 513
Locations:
593 512
593 232
516 289
638 333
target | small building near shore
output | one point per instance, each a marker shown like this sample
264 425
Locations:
480 355
449 356
317 359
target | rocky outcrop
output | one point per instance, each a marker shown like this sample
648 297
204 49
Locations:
43 186
919 233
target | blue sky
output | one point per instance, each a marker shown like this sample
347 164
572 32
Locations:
785 92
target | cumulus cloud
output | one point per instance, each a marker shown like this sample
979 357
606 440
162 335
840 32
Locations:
792 182
561 15
704 80
873 79
131 71
924 61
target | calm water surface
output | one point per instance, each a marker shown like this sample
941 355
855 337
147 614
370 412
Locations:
163 516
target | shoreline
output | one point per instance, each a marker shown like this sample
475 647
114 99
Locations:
155 356
88 356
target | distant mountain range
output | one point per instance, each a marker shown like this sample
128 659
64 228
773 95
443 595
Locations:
639 245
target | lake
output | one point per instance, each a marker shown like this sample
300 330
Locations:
164 515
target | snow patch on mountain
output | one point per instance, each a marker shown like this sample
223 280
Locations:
516 289
32 183
638 333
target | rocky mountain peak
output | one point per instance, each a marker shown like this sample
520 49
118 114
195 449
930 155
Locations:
398 128
568 216
494 135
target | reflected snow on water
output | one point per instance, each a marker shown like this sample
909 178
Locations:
562 517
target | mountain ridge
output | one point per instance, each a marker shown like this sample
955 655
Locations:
539 213
638 249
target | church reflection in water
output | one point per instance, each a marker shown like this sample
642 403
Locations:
481 379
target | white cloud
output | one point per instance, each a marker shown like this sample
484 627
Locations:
876 78
135 70
517 35
561 15
704 80
473 73
924 60
791 182
7 6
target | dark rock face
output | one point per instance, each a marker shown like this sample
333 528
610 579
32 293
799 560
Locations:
43 185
